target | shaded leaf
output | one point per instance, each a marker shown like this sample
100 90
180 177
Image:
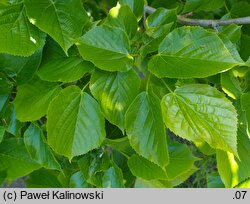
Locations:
49 179
15 159
38 148
203 5
32 99
113 177
57 67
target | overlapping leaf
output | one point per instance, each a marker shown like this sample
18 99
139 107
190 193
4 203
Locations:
75 123
62 20
195 52
115 91
122 17
145 128
235 170
38 148
17 35
106 47
57 67
15 159
199 112
32 100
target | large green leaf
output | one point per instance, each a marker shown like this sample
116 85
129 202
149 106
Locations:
145 128
62 20
145 169
122 17
17 35
234 170
203 5
56 66
15 159
199 112
32 99
115 91
75 123
38 149
137 6
106 47
196 53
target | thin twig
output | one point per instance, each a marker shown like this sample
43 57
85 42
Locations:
200 22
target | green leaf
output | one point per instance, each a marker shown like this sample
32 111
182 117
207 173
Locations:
230 85
145 129
113 177
2 130
15 159
75 123
17 35
141 183
245 106
145 169
28 71
32 99
106 47
137 6
234 170
49 179
160 17
244 184
93 165
115 91
181 160
57 67
122 17
3 100
62 20
23 68
233 32
38 149
77 181
203 5
121 144
11 124
3 175
5 84
196 53
214 180
199 112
